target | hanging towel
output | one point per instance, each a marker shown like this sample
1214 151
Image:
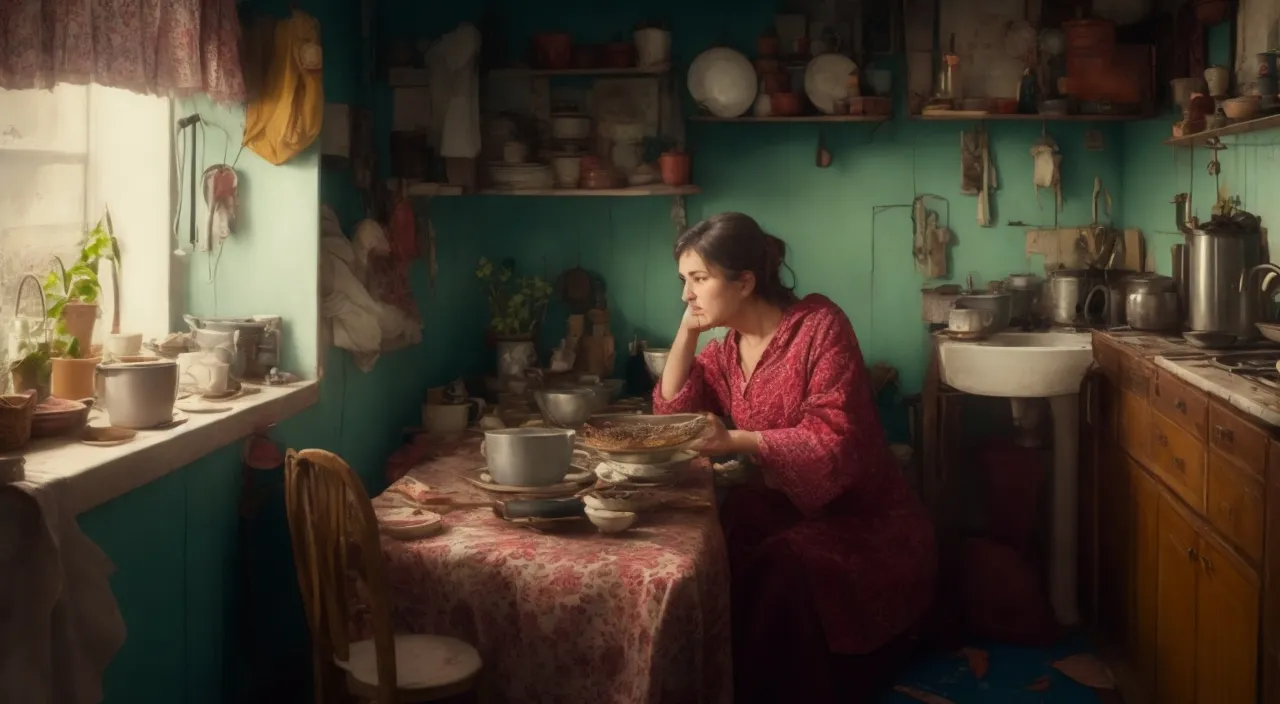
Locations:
285 118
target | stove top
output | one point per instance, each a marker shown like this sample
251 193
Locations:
1258 365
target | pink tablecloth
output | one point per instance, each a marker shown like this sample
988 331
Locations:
573 617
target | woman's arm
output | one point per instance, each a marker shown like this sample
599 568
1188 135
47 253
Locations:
687 384
840 438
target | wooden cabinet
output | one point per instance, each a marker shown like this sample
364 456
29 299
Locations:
1183 497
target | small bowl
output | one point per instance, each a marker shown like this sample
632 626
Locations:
610 521
625 501
1242 108
567 408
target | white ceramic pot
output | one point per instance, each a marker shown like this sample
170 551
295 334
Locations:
123 344
653 47
568 170
202 372
140 394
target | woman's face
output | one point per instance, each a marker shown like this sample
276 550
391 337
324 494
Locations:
709 293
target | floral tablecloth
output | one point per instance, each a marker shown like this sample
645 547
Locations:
575 616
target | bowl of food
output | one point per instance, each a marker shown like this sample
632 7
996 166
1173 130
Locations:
567 408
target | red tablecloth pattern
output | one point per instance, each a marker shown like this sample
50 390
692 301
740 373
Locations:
575 616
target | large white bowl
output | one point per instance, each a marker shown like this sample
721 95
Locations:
826 80
723 81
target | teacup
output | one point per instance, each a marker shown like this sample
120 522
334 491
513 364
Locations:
969 320
202 372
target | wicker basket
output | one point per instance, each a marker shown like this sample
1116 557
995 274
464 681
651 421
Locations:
15 420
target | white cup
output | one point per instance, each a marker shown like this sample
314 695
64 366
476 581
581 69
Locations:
969 320
202 372
123 344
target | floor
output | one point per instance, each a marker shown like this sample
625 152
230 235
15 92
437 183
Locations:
1013 675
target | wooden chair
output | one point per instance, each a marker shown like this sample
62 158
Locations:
330 520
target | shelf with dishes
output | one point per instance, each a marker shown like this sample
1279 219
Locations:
1242 127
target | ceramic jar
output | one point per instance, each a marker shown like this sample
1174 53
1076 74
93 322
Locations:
1219 80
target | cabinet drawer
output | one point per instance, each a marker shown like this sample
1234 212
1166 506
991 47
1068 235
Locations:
1237 438
1235 504
1178 458
1107 356
1135 374
1180 402
1135 426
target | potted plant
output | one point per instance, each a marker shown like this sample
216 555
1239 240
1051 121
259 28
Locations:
73 291
516 309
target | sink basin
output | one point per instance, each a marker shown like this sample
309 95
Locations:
1018 364
1026 365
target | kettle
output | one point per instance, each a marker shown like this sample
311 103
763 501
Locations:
1219 258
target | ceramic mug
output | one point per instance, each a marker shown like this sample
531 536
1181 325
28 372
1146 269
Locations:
969 320
450 418
202 373
123 344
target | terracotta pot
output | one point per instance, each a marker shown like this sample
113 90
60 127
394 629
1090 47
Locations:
785 104
80 319
553 50
675 167
767 46
73 379
620 55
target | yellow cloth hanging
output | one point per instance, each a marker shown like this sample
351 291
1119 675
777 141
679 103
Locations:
285 118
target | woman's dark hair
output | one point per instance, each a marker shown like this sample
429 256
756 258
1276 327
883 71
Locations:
735 243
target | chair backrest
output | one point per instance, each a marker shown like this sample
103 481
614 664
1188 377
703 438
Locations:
329 515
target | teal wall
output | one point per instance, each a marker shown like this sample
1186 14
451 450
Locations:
209 599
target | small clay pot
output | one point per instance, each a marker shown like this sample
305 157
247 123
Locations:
553 50
675 167
785 104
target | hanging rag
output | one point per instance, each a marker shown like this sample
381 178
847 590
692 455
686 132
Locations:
286 116
978 172
220 183
1045 171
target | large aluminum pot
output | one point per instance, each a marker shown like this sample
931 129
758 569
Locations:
528 456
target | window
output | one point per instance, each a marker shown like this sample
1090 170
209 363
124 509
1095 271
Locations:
65 155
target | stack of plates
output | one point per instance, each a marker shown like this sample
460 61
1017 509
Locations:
521 177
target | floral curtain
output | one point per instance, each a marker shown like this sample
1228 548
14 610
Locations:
162 47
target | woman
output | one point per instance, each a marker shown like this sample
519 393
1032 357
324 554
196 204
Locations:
832 556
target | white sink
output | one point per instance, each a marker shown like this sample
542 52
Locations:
1021 366
1018 364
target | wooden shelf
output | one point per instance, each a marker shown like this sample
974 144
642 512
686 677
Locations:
998 117
654 191
1255 125
550 73
798 118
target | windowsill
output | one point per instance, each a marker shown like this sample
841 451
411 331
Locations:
84 476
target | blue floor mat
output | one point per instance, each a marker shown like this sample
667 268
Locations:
1011 669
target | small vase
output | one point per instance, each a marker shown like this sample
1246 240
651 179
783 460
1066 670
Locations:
675 167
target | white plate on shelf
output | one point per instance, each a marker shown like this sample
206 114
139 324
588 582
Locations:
826 80
723 81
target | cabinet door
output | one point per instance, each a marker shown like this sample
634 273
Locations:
1115 561
1226 628
1146 546
1179 565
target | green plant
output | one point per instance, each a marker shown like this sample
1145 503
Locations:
34 362
516 305
79 283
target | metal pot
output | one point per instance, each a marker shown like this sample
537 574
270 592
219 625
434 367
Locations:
1105 303
528 456
140 394
1218 256
1151 303
1024 291
1067 291
247 336
1000 306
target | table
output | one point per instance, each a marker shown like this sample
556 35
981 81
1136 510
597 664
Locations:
577 616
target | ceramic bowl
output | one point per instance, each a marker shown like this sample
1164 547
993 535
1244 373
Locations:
723 81
610 521
1241 108
618 500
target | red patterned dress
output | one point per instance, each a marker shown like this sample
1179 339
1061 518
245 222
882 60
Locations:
832 553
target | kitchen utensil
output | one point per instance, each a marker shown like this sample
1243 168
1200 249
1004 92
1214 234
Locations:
1241 108
1151 303
567 408
969 320
123 344
826 81
202 373
1000 305
528 456
58 416
1110 297
1024 294
653 47
723 82
1219 253
655 360
1218 79
567 169
247 336
1271 331
450 418
571 484
1067 290
140 395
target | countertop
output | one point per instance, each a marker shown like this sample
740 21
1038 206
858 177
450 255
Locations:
1191 364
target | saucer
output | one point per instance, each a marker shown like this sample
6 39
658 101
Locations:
571 484
965 335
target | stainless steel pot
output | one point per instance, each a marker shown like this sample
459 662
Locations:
1000 306
1067 291
139 394
1024 292
248 337
1151 303
1105 302
1219 254
528 456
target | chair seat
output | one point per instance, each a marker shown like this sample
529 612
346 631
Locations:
422 662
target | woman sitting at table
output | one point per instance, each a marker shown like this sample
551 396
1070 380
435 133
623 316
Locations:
832 556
